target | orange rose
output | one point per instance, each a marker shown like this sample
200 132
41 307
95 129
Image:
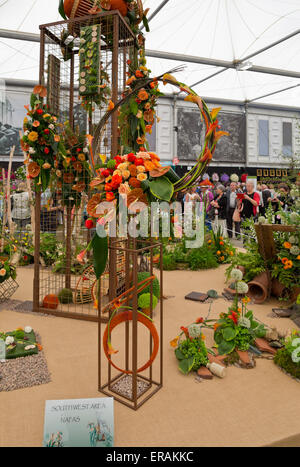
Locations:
134 182
149 165
33 169
133 170
139 74
130 80
149 116
81 157
143 95
36 123
287 245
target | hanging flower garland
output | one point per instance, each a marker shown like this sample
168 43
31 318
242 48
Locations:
41 140
72 167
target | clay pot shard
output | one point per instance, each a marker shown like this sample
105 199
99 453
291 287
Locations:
259 288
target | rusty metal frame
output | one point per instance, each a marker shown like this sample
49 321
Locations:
45 35
136 401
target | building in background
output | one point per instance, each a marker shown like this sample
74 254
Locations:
262 137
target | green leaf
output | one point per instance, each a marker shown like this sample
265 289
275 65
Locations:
100 254
145 22
186 365
33 99
218 337
229 333
225 347
179 355
260 331
133 124
162 188
61 9
134 106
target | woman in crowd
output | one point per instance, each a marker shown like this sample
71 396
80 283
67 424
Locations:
250 202
219 204
281 201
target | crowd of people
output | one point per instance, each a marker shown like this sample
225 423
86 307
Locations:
229 204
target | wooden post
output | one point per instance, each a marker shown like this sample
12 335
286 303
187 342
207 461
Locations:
9 219
4 210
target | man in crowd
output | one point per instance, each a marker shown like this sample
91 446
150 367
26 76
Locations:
230 208
266 194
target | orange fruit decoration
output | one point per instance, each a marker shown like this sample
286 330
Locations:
51 302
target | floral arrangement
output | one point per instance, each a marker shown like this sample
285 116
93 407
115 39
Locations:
137 115
237 329
286 266
288 358
7 270
20 342
73 167
191 352
41 140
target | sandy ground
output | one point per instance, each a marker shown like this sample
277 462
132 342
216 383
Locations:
248 408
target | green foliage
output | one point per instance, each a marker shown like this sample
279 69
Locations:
155 284
169 263
201 258
252 262
48 248
65 296
191 354
100 253
284 361
144 301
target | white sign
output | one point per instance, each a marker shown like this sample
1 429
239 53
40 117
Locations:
79 423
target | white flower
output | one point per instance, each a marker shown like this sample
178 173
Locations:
85 150
234 178
31 150
236 275
28 329
26 133
295 250
242 287
262 220
9 340
294 217
194 330
51 126
292 239
244 322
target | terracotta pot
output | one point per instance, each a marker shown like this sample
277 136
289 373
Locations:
83 7
294 294
277 288
259 288
242 269
51 302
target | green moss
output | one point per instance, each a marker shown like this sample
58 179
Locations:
65 296
155 284
145 300
284 361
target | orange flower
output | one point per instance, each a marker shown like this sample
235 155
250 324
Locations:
149 165
287 245
79 187
284 260
153 156
39 347
81 157
111 106
93 204
110 196
133 170
140 140
149 116
218 253
143 95
139 74
134 182
216 325
298 257
148 129
147 106
174 342
33 136
40 90
221 243
142 177
33 169
36 123
57 138
130 80
222 258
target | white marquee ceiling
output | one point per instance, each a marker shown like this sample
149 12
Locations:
217 29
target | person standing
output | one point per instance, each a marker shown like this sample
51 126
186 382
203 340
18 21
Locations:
250 202
220 206
266 194
230 208
21 206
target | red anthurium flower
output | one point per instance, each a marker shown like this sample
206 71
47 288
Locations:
39 111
